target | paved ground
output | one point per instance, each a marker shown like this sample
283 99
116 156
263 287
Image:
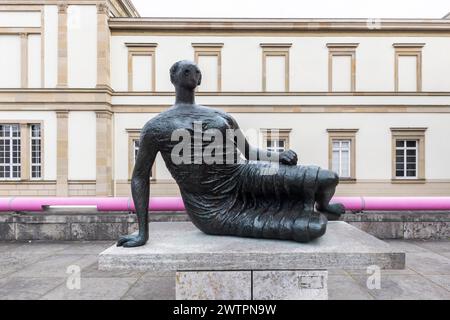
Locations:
39 271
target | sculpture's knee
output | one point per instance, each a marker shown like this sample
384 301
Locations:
309 227
328 178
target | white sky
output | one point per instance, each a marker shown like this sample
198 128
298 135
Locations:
294 8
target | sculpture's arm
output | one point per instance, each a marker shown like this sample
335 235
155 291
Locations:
140 188
250 152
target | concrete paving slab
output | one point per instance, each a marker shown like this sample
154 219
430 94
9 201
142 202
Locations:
152 288
341 287
92 289
20 288
428 263
405 287
55 266
435 246
406 246
441 280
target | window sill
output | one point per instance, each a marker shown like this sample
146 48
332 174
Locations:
408 181
347 180
152 180
37 181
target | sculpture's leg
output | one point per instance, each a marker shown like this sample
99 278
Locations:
288 225
328 180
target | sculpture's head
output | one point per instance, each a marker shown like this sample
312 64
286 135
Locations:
185 74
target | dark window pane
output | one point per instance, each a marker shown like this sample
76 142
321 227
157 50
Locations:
399 173
411 143
400 143
410 152
411 173
411 166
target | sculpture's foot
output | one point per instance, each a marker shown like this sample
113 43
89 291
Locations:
309 227
131 241
332 211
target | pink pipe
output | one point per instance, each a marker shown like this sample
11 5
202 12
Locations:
176 203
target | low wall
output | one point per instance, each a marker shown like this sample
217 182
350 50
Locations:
109 226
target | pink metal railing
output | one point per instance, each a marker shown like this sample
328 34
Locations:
176 203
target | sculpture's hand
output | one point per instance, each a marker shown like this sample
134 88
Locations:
132 241
288 157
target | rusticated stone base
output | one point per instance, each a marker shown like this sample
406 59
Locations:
58 226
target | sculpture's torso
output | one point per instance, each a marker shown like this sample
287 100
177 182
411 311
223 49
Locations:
195 174
218 193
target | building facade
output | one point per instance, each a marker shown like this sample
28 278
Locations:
369 99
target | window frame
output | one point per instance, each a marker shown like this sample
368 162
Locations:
275 134
25 150
134 134
141 49
408 49
31 164
275 50
343 134
210 49
417 134
342 49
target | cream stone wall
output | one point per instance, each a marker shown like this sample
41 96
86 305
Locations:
34 61
242 62
82 46
82 146
50 45
20 19
10 62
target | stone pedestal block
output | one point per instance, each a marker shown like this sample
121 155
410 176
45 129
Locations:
224 267
252 285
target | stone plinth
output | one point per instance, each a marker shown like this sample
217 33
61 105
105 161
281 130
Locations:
223 267
181 246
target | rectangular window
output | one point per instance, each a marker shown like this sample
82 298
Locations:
135 153
36 151
135 149
208 57
406 158
141 66
342 73
276 145
407 73
341 158
275 66
209 68
275 73
142 72
275 140
10 153
342 66
408 66
408 154
342 153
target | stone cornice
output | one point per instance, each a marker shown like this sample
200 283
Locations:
281 25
